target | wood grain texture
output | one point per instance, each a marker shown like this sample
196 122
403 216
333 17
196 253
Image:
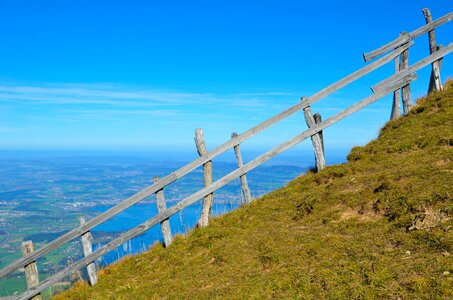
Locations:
315 139
87 246
432 78
435 81
31 270
398 83
246 196
415 67
406 90
207 176
318 119
396 104
406 38
165 224
148 191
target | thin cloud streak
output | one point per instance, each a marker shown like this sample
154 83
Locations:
110 95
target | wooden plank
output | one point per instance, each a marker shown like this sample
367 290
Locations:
396 104
247 197
400 81
165 224
207 177
31 270
435 81
87 246
406 38
315 139
148 191
415 67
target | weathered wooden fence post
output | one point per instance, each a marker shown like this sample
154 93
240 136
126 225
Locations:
315 139
244 184
87 245
406 90
396 104
161 206
207 171
435 83
318 119
31 270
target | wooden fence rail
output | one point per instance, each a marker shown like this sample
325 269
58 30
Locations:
415 67
404 75
406 38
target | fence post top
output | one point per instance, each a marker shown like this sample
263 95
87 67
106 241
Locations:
305 102
234 134
155 179
26 243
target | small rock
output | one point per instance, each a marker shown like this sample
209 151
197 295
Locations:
445 253
446 273
408 252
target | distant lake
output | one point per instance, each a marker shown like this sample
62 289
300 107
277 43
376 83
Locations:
180 223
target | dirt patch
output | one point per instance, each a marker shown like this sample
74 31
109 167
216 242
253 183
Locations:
442 162
359 215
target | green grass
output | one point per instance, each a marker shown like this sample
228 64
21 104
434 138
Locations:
342 233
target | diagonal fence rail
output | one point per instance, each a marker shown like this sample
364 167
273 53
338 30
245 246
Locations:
400 80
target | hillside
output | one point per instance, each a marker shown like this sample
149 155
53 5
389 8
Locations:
379 226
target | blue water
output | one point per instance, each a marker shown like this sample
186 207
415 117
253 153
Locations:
180 223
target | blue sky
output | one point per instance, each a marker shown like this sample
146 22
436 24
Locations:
142 75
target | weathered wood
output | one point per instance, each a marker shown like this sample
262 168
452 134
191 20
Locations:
165 224
31 270
435 81
398 83
415 67
318 119
406 38
432 79
315 139
87 245
148 191
247 197
396 106
207 175
406 90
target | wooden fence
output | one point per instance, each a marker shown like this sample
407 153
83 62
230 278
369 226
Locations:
398 84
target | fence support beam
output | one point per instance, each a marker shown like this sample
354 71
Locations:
406 90
435 83
31 270
315 139
207 174
318 119
161 206
244 184
396 104
87 245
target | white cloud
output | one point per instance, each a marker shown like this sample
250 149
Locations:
124 96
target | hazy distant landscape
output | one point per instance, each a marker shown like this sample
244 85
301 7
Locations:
43 194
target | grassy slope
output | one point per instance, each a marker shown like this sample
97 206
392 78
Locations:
341 233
